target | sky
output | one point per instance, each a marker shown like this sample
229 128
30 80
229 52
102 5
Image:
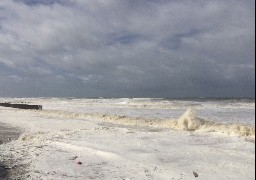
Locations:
127 48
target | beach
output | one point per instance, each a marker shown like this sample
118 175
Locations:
8 134
127 90
123 139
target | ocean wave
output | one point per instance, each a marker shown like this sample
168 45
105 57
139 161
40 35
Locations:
190 122
187 122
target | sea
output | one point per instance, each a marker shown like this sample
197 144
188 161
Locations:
229 116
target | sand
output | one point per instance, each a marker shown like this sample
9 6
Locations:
8 134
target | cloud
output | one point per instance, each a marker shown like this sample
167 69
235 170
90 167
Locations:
127 48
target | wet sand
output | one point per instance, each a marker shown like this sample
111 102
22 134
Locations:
7 134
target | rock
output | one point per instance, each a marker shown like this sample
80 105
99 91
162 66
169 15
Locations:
79 162
195 174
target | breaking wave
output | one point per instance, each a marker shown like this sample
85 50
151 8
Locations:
190 122
187 122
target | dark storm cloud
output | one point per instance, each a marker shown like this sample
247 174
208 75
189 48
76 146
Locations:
127 48
38 2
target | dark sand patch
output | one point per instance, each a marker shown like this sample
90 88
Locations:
7 171
8 133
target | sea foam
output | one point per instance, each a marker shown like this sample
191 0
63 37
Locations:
187 122
190 122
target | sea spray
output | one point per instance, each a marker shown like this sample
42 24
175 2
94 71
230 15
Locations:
190 122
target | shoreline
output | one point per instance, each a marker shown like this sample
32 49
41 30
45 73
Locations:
61 143
8 134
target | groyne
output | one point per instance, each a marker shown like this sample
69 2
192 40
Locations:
21 106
